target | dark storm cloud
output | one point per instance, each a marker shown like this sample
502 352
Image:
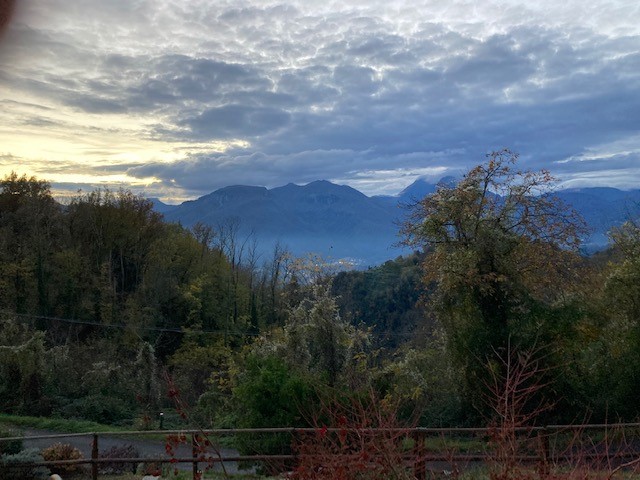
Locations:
172 81
237 121
202 172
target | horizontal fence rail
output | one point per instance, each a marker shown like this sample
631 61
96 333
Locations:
543 448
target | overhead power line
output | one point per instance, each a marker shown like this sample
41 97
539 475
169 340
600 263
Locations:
122 326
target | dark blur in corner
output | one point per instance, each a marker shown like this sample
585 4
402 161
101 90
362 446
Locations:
6 12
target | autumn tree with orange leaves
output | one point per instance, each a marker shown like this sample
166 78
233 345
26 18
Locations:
501 250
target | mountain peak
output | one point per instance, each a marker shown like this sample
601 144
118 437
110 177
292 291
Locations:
242 189
324 185
418 189
422 187
317 187
448 181
159 206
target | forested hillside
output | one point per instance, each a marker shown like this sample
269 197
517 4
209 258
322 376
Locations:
109 313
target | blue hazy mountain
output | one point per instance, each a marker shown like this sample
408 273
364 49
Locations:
339 222
161 207
602 209
414 192
335 221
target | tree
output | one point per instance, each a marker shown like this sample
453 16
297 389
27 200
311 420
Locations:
236 249
115 231
423 381
268 393
500 251
610 360
284 372
274 277
623 284
29 227
22 368
317 340
385 298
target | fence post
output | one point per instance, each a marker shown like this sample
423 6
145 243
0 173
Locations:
543 445
94 457
295 448
194 454
419 461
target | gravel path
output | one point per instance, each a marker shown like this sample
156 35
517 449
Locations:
147 448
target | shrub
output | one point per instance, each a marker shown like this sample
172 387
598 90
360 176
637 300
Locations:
119 451
155 469
11 466
63 451
10 447
355 438
270 394
100 408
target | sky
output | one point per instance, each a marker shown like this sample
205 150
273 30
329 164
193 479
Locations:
175 99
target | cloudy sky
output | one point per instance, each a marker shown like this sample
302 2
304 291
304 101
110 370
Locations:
178 98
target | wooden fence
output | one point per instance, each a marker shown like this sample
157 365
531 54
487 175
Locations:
543 447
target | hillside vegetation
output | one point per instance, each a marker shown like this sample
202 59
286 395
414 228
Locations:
110 314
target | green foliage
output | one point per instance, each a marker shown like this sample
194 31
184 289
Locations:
22 369
269 394
98 296
607 373
278 378
12 466
200 370
57 424
424 384
106 260
500 251
29 229
623 283
317 340
100 408
495 238
181 287
9 447
385 298
96 380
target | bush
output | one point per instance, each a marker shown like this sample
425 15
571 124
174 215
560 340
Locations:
99 408
345 446
10 447
270 394
155 469
122 451
63 451
11 468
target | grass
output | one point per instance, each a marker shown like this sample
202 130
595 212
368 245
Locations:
58 424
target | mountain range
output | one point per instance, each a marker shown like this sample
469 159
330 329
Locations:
340 223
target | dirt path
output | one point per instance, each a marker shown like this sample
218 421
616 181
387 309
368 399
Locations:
146 448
